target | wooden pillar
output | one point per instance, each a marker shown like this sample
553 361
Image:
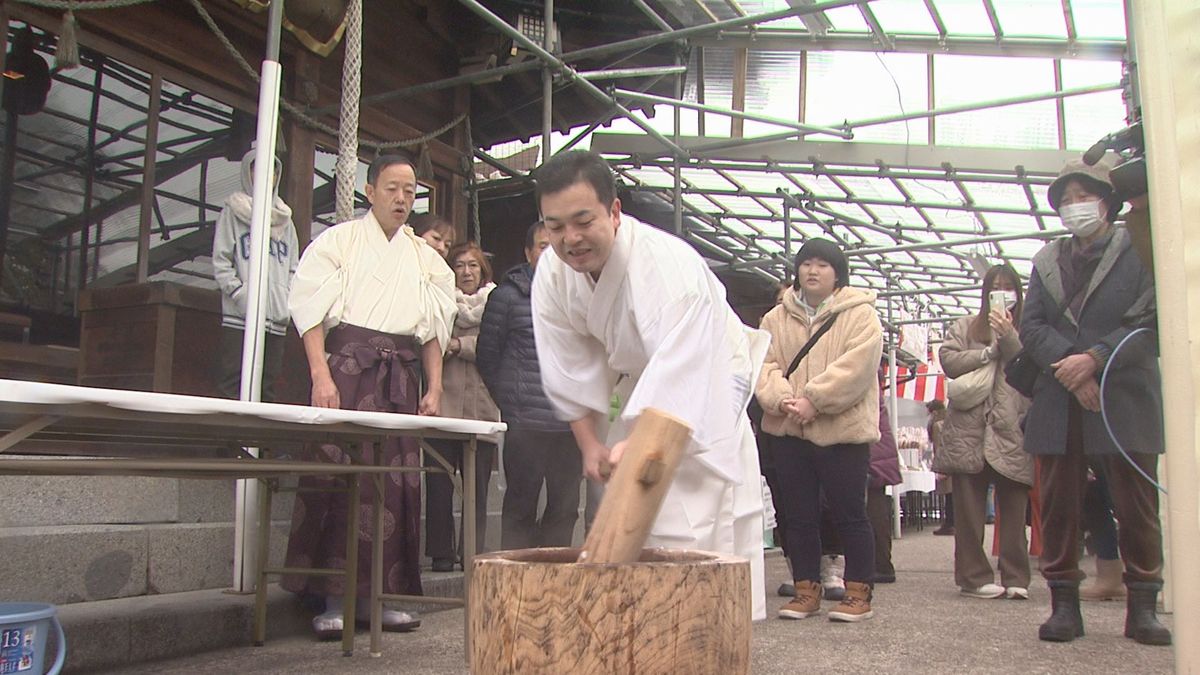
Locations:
741 63
296 186
1167 42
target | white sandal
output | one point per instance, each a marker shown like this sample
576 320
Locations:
328 626
394 620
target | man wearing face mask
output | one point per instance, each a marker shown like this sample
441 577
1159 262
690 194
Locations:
1085 294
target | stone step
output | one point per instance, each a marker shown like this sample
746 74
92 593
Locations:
32 501
78 563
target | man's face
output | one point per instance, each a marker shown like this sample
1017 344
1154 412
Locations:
580 228
392 195
541 239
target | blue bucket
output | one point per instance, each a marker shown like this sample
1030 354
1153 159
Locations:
24 632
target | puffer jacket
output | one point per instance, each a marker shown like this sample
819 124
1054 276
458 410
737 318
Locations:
506 355
838 376
990 431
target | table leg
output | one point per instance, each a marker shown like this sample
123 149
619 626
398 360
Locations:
377 565
264 541
469 525
350 596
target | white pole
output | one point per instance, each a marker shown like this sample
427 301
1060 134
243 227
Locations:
892 410
1167 51
245 563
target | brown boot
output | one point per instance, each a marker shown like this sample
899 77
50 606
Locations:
806 603
1108 584
856 606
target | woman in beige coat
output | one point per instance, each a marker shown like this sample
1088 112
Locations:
982 445
464 396
822 417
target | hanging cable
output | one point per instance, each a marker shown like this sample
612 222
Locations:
1104 412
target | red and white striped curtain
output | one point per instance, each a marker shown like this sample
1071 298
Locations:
929 383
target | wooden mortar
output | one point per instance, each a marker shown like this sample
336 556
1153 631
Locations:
540 611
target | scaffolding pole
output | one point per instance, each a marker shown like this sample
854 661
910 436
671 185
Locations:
921 114
547 82
552 61
736 114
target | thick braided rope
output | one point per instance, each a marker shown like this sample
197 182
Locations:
471 191
347 161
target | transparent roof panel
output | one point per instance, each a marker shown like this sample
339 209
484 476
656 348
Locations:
1099 18
884 85
904 16
1031 18
964 17
847 19
1092 116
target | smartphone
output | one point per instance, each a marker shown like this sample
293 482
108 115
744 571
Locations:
998 301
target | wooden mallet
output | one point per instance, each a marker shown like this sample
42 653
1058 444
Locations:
636 489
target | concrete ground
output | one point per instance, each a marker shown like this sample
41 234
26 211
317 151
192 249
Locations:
921 624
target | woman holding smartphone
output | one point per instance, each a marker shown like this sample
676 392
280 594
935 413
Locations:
982 444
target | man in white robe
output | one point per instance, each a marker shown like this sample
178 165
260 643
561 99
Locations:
618 297
372 302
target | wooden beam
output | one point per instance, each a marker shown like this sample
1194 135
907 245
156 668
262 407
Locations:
149 160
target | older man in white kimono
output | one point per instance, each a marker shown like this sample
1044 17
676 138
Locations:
616 297
372 302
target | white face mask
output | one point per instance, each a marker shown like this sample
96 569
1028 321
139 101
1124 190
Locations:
1010 299
1083 219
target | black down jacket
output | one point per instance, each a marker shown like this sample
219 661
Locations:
507 357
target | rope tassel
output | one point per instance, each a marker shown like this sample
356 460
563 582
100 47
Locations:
424 163
66 56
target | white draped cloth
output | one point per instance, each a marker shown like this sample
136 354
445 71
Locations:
658 316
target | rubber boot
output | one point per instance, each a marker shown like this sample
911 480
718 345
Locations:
1141 621
1065 622
1107 584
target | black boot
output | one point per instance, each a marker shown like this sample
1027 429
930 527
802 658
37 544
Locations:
1065 623
1141 622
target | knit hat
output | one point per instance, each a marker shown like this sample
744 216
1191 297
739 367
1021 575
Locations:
829 252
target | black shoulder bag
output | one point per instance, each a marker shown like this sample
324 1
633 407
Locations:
812 340
1022 372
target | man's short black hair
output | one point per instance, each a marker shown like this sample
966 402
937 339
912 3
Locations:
531 233
384 161
564 170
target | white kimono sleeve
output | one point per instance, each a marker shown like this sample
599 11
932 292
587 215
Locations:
437 298
575 372
695 371
319 284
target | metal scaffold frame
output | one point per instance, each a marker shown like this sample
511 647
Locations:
825 188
